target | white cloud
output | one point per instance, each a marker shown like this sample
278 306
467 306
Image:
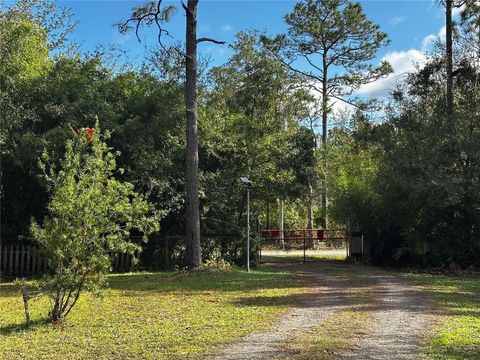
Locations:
226 28
340 108
396 20
431 38
403 62
442 33
457 10
428 40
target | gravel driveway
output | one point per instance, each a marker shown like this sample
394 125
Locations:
400 314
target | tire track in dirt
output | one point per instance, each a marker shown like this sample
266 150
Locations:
402 320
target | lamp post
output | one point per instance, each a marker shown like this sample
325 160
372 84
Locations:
247 184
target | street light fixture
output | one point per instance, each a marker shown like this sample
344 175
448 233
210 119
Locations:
245 181
247 184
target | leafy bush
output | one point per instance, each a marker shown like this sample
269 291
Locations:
90 216
217 264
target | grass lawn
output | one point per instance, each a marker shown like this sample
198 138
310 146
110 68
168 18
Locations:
150 315
179 316
297 255
458 333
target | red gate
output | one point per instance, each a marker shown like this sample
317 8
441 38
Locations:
298 241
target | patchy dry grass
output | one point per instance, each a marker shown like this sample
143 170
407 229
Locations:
341 331
331 338
149 315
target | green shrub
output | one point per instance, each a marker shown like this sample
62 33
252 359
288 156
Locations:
90 216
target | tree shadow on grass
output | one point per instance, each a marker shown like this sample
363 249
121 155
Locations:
353 286
232 281
7 290
463 351
22 328
459 296
266 277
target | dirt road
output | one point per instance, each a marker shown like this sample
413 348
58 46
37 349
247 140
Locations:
400 316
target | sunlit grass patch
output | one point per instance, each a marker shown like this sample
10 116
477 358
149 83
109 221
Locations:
297 255
150 315
458 333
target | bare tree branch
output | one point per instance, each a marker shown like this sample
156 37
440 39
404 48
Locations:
204 39
314 87
149 14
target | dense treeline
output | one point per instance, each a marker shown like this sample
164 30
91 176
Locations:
410 182
245 129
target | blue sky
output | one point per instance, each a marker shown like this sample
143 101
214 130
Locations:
411 26
406 22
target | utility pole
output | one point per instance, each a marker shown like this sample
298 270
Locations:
247 184
282 237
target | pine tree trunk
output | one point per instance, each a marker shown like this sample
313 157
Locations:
268 215
193 251
324 141
449 41
310 207
310 214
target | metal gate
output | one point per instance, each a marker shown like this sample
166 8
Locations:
301 245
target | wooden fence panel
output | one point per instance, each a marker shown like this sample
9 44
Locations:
34 262
5 257
22 260
27 267
17 257
26 260
10 268
39 265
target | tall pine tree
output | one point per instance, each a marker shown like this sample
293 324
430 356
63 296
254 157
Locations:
331 43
